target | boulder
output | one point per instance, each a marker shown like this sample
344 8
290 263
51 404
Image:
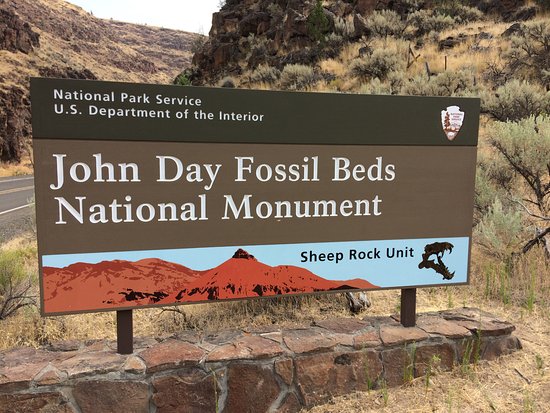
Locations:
514 29
365 7
295 25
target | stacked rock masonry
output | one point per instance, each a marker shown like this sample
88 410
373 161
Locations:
269 370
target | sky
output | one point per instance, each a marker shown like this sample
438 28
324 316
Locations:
189 15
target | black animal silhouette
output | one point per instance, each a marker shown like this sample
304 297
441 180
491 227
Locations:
438 249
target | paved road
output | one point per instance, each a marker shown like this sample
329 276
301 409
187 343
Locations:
16 195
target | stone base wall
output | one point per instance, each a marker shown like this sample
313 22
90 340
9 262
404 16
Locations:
270 370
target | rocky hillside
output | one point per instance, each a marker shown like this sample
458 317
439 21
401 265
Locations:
53 38
247 34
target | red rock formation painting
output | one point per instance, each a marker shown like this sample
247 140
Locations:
112 284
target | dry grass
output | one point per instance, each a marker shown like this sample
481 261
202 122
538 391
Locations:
333 66
10 169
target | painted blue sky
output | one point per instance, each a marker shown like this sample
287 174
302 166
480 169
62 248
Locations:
383 271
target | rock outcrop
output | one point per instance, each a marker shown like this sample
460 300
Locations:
248 33
15 118
53 38
16 35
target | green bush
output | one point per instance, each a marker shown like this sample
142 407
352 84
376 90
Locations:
318 24
379 65
386 23
516 100
182 80
15 284
297 77
265 74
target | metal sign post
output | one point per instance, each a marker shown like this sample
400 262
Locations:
124 332
408 307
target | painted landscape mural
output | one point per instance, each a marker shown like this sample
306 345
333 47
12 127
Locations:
119 283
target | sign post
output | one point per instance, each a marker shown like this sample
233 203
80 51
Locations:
124 332
408 307
150 196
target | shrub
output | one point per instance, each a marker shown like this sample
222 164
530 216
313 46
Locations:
499 231
386 23
375 87
15 284
449 83
525 146
427 21
493 180
333 45
529 55
516 100
522 162
460 12
344 27
495 74
457 83
182 80
297 77
265 74
379 65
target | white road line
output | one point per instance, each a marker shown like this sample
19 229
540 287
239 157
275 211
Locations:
16 179
11 191
14 209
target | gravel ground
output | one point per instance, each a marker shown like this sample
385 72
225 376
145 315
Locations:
15 224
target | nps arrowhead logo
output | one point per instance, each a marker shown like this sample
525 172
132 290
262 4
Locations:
451 120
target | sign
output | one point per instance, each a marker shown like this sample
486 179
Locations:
152 195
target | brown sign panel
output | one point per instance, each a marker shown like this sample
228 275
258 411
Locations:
158 195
